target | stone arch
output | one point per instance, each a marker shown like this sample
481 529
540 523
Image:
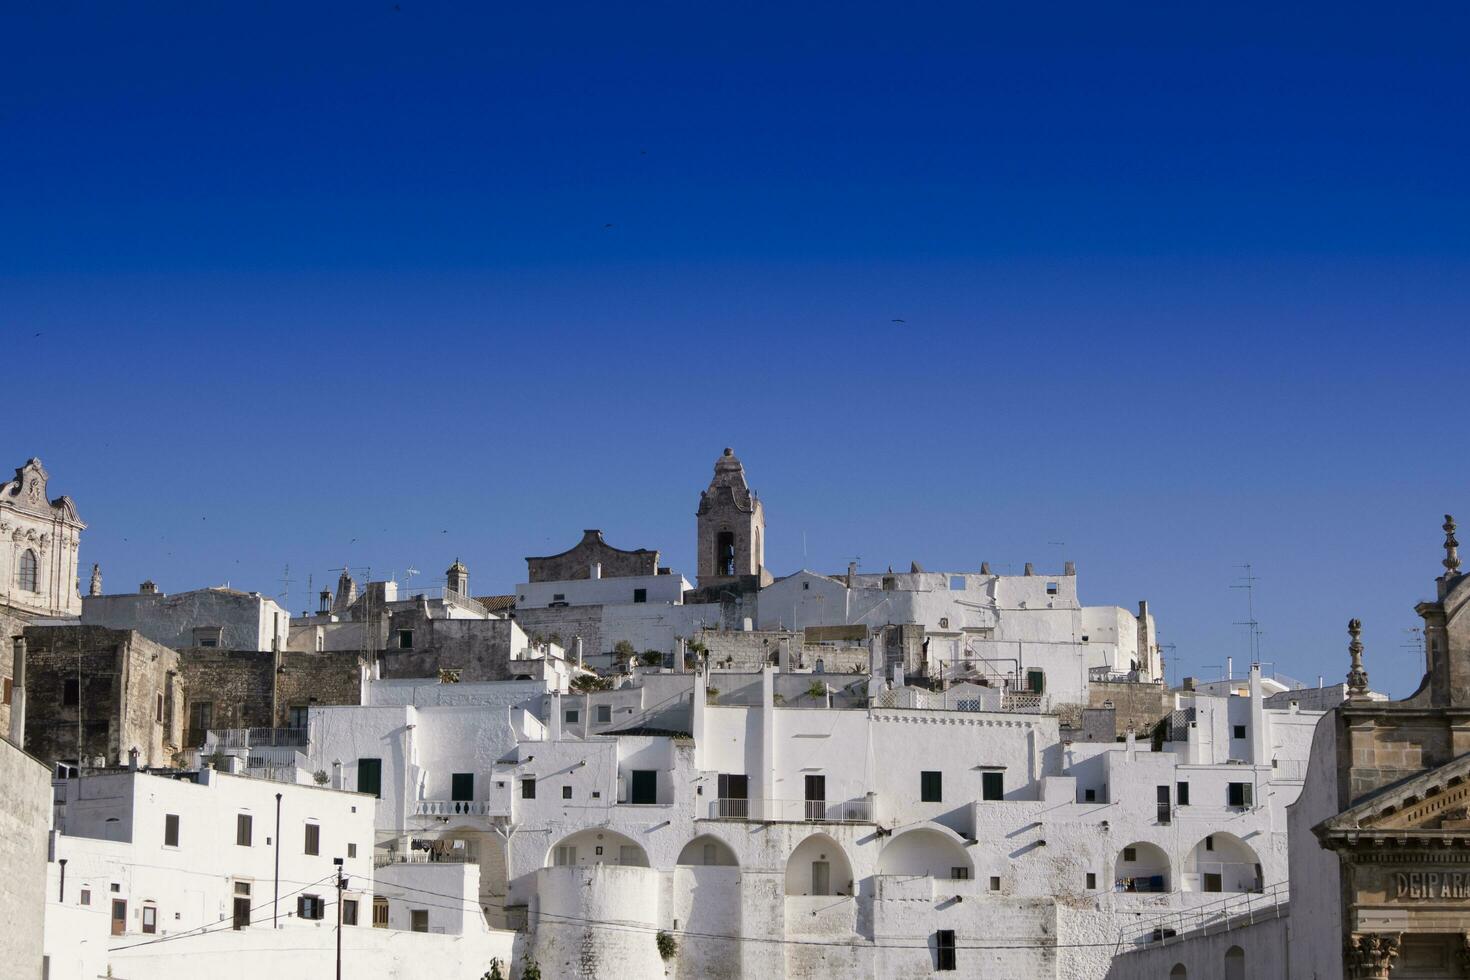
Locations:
596 845
818 866
1141 867
1235 963
1222 862
925 852
707 849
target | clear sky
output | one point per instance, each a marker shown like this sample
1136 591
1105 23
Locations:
1162 289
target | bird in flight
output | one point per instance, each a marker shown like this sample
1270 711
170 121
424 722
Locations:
900 321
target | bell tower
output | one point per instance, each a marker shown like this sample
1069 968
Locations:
732 528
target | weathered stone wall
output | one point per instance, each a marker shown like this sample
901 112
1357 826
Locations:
25 825
247 690
127 695
1137 706
479 648
747 649
577 562
566 623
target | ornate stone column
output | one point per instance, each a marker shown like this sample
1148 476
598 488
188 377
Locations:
1369 956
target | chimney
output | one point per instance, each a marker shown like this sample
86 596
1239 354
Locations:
18 695
595 570
577 645
133 758
681 645
148 588
985 568
851 572
1030 568
1069 568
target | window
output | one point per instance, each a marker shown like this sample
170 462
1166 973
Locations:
944 949
566 855
1182 794
1239 732
1036 681
640 595
352 850
150 919
208 636
309 907
725 553
418 920
573 715
1089 796
993 785
931 787
944 622
370 776
243 827
170 830
313 839
201 719
559 597
604 714
349 911
1210 842
959 874
297 715
380 912
528 788
71 692
157 705
1051 588
643 787
462 786
1238 794
994 883
1130 854
86 896
566 792
405 639
1091 880
26 576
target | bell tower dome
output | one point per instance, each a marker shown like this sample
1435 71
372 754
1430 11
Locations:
731 528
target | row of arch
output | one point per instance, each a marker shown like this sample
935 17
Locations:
818 865
1219 862
1234 966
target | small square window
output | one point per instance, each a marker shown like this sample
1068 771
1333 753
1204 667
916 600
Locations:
1051 588
405 639
86 896
528 788
931 787
959 874
566 792
995 883
993 785
640 595
573 716
1091 880
604 714
1130 854
1239 731
309 907
352 850
1089 796
115 887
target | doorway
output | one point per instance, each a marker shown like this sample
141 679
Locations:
821 878
119 916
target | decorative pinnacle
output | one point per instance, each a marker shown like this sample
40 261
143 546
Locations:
1357 677
1451 548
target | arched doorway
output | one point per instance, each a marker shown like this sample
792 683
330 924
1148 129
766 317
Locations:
818 866
1235 963
596 846
925 853
1222 862
1141 867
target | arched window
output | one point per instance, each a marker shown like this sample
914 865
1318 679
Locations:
1179 972
26 577
1235 963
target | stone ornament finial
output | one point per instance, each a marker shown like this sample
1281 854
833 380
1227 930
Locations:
1370 955
1451 548
1357 677
95 587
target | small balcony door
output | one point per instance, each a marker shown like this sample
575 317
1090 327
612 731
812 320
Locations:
816 799
643 787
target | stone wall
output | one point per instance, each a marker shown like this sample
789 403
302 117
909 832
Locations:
246 690
747 649
127 695
577 562
479 648
563 625
25 825
11 626
1135 705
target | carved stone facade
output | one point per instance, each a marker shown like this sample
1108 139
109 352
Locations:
579 561
1402 830
40 536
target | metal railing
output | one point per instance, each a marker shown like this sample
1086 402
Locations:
245 738
730 809
1233 911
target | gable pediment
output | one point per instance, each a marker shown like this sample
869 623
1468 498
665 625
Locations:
1435 800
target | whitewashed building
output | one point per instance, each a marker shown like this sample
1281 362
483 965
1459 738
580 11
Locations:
182 874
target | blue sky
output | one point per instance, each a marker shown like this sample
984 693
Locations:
1181 287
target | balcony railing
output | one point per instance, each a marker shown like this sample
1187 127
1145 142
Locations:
452 808
794 811
1166 813
245 738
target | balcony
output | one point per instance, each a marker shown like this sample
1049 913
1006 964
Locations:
249 738
458 808
794 811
